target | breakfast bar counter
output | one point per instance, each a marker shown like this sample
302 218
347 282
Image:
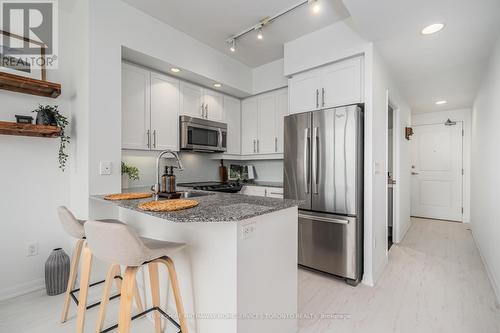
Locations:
238 272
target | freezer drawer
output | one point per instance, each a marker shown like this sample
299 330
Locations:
328 243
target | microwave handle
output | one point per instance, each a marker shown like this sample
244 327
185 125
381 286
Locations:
219 143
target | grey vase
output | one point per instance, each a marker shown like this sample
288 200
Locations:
57 272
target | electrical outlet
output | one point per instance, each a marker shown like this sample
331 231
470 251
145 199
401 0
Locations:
105 167
248 230
32 250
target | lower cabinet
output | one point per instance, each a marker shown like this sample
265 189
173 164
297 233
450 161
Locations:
262 191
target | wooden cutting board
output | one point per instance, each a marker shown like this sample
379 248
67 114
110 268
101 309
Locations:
128 196
168 205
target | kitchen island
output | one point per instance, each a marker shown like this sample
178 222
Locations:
238 272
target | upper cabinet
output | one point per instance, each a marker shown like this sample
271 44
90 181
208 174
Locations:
232 112
262 123
150 110
201 103
330 86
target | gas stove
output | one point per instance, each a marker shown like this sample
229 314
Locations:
228 187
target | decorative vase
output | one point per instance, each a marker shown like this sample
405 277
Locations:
57 272
45 118
125 181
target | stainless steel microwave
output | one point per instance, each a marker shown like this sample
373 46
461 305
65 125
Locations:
202 135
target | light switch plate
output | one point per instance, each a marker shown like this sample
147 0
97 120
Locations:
105 167
248 230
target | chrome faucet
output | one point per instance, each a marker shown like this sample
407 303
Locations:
157 186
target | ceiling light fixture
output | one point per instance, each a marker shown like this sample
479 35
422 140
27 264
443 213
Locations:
267 20
175 70
432 29
441 102
217 85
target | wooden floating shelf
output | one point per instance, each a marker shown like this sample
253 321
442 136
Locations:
28 85
10 128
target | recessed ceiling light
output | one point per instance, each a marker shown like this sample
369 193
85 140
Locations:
175 70
315 6
217 85
259 34
441 102
432 29
232 47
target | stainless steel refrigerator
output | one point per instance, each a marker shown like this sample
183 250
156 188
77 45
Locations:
323 166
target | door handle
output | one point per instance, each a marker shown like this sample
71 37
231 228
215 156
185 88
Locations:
154 138
317 98
414 173
148 134
307 140
323 96
323 219
315 160
206 110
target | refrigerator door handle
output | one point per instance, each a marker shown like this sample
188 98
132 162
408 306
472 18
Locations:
315 157
323 219
307 155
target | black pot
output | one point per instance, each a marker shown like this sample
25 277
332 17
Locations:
45 118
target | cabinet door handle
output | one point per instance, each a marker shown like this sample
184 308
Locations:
258 145
323 96
203 110
154 138
148 134
275 144
317 98
254 148
206 110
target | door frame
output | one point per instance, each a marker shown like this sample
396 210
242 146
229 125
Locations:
465 116
396 138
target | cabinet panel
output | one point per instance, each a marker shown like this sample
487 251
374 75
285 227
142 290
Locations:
249 126
135 107
281 112
232 113
213 105
304 92
191 99
342 83
165 104
266 116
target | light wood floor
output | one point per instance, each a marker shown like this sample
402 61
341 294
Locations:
435 282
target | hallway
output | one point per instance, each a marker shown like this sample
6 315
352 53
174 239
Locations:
435 282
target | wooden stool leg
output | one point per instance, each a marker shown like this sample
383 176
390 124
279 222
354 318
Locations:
155 293
84 289
73 272
112 272
138 301
127 294
177 293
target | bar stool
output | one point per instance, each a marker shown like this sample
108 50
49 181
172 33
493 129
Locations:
74 228
118 244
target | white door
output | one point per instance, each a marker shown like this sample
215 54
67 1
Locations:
165 105
304 92
341 84
249 126
266 138
232 112
281 112
191 99
213 105
135 107
437 172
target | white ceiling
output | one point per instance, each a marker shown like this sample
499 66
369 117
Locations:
212 22
446 66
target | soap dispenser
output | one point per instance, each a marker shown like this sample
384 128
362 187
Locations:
168 180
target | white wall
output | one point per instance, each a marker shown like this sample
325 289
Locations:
485 178
269 77
32 184
463 115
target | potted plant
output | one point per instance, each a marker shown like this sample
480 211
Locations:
49 115
129 173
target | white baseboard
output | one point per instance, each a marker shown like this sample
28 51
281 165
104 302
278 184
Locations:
21 289
491 277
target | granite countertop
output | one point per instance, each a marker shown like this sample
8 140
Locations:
264 183
214 207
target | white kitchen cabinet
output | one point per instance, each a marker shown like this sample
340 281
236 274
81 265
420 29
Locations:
262 123
150 110
201 103
232 112
249 126
334 85
263 191
165 105
191 100
135 107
